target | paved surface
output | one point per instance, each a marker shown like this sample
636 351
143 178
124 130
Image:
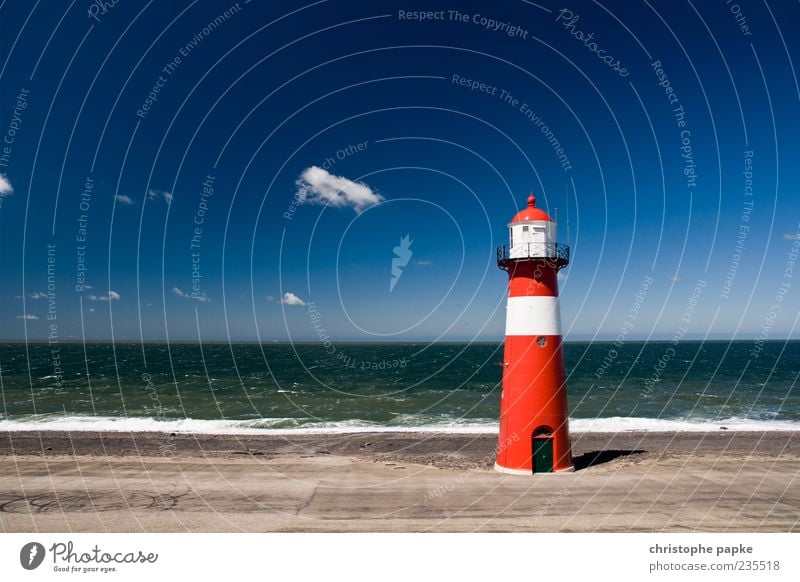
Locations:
721 482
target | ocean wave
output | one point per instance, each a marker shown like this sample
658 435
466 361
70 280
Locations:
628 423
252 426
412 424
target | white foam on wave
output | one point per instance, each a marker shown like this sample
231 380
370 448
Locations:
243 427
627 423
279 426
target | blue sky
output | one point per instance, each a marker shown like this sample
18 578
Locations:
195 123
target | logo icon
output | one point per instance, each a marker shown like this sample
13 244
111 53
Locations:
402 256
31 555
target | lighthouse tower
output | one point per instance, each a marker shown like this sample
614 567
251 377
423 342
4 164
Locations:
534 436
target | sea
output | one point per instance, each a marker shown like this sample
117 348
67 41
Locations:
258 388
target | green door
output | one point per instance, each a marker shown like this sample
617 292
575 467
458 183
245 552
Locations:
543 455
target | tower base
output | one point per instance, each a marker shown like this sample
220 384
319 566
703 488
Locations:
507 471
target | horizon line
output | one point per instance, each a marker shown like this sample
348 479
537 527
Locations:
379 342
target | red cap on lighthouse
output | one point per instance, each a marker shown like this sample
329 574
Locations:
534 435
531 212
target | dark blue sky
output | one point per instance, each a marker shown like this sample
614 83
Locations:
193 123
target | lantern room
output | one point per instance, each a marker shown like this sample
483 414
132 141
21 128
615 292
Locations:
532 233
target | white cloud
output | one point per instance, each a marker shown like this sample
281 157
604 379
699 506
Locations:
110 296
37 295
125 199
5 186
287 299
201 297
292 299
27 316
317 186
167 196
791 236
423 263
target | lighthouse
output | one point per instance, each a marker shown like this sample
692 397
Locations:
534 435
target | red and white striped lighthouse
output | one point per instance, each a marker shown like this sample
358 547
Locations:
534 435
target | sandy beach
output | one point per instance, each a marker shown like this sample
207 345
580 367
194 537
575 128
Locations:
399 482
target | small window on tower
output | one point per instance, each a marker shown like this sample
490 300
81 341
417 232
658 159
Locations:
525 228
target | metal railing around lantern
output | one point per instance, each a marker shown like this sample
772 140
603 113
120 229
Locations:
556 254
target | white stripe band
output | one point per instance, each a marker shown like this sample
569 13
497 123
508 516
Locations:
533 316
